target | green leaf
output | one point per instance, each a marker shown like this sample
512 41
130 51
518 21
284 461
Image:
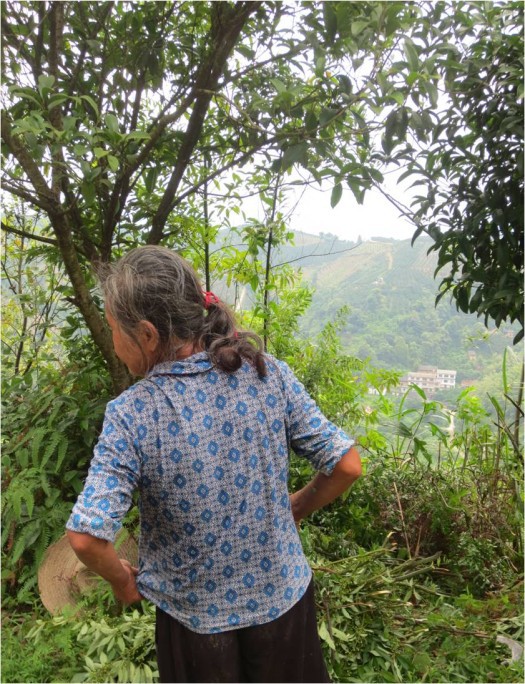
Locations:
432 91
245 51
311 121
357 189
112 123
278 85
376 175
422 662
504 371
327 115
45 82
295 154
91 103
88 192
113 162
324 634
411 55
359 26
390 128
462 298
398 96
69 122
417 124
22 456
345 84
100 152
150 179
337 192
137 135
56 100
26 94
362 127
36 440
330 21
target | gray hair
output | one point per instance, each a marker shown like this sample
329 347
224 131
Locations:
155 284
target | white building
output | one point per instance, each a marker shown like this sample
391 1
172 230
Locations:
430 379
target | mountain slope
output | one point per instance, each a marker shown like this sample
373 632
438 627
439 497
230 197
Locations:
390 289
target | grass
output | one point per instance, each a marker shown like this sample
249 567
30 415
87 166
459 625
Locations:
51 660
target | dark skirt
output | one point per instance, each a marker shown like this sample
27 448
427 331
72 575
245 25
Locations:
284 650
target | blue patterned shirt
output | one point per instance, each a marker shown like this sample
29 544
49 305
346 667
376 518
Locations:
208 452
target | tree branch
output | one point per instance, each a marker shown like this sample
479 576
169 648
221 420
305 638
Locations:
269 260
26 161
271 60
163 123
39 41
237 160
13 41
23 194
225 29
314 254
31 236
56 29
85 302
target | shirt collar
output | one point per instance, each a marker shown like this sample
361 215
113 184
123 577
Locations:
192 365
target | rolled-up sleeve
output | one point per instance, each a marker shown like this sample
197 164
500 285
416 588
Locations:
112 478
310 433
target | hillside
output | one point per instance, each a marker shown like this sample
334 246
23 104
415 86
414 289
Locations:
390 289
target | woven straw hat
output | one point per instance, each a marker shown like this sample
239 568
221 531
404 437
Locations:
62 578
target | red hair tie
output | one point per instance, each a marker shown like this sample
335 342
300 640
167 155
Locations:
210 298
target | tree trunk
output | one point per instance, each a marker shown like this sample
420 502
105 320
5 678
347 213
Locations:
83 299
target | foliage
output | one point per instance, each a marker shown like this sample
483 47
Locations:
31 304
107 104
125 124
44 462
470 164
383 620
130 123
449 488
25 659
338 382
403 563
380 619
112 649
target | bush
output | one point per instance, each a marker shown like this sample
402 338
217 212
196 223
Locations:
50 424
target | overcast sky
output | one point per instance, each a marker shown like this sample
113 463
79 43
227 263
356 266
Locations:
308 210
377 217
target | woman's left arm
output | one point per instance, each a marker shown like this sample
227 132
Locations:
100 556
323 489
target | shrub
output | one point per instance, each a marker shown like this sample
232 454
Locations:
50 424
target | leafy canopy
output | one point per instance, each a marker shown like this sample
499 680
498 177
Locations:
121 119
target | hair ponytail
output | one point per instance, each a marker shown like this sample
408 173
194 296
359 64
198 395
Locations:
228 346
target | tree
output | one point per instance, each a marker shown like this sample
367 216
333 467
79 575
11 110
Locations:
120 120
470 161
117 115
30 305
